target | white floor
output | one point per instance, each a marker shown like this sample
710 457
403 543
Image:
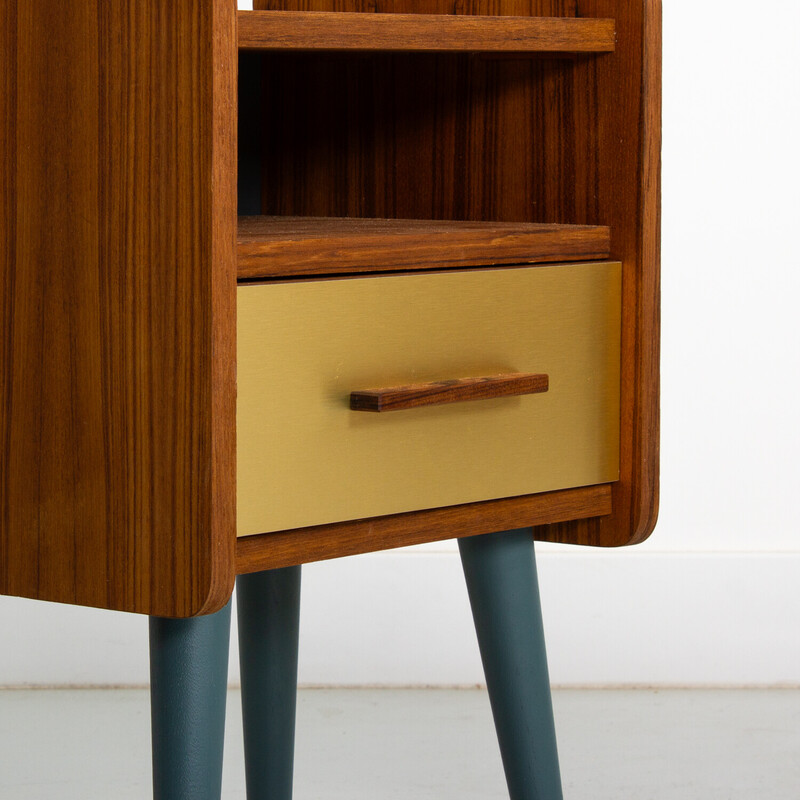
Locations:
425 745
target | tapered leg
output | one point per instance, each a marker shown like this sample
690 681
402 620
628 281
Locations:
500 571
189 679
269 624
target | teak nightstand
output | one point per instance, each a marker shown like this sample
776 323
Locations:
435 315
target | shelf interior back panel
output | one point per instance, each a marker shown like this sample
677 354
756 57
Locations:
296 246
431 33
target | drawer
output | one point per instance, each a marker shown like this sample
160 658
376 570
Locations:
305 458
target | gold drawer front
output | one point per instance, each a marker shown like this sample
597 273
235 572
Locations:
304 458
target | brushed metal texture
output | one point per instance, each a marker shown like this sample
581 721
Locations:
304 458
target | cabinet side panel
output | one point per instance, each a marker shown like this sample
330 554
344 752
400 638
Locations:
628 149
8 157
118 251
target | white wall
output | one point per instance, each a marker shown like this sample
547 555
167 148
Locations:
714 596
402 619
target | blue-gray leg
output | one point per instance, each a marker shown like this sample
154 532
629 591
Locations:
269 624
500 571
189 680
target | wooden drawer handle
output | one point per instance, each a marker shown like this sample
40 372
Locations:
398 398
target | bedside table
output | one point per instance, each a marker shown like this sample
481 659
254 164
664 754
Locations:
439 300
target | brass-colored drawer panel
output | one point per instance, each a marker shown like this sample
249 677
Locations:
304 458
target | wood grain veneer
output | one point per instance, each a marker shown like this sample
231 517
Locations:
309 30
117 282
285 548
436 393
548 140
280 246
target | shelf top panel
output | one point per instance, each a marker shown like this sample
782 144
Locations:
271 247
422 33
